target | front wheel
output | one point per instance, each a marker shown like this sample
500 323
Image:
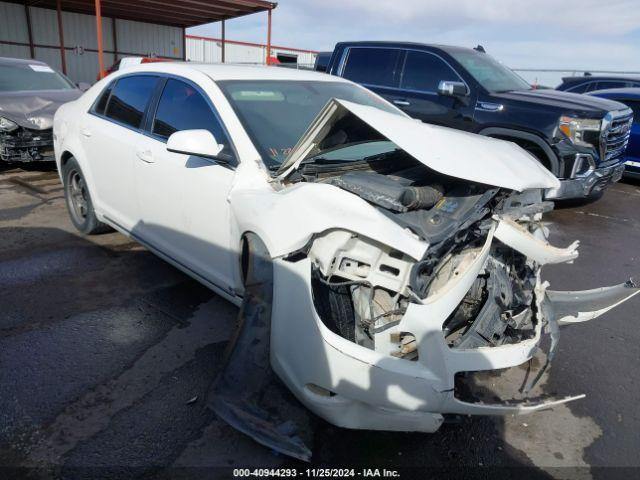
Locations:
78 198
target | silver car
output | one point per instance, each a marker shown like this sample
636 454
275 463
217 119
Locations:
30 93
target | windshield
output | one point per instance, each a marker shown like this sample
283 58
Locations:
276 113
31 76
490 73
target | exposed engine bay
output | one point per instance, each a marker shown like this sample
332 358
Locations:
362 289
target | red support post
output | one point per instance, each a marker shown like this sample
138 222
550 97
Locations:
99 35
63 58
269 36
27 14
223 41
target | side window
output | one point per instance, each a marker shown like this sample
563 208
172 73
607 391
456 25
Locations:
609 84
101 104
129 99
373 66
424 71
182 107
635 106
581 88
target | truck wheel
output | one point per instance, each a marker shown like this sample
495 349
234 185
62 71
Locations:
78 198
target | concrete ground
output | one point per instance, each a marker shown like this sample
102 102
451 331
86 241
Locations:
106 353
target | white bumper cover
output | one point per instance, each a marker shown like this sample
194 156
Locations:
362 388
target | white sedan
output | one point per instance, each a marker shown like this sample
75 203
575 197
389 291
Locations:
374 257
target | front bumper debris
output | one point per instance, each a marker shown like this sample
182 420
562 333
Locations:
584 186
353 386
26 145
356 387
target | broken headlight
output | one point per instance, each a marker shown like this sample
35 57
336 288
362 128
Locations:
7 125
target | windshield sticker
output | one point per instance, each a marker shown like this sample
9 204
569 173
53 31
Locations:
41 68
279 152
258 95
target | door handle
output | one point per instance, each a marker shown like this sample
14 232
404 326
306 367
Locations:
402 103
145 155
85 132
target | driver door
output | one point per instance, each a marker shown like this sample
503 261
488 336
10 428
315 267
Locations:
418 94
183 199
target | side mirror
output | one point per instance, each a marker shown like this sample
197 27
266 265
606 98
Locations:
200 143
83 86
452 89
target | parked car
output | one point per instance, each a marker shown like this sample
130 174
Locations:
373 257
125 62
631 98
30 93
572 135
589 83
322 61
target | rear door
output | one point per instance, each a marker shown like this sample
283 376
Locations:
418 95
109 135
376 68
183 199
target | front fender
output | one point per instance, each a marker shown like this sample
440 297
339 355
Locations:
287 219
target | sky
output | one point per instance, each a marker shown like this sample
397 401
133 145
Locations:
567 34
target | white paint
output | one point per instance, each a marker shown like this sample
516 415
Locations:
520 239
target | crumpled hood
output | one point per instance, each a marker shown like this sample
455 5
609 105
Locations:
34 109
451 152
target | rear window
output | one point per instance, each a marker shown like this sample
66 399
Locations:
604 84
130 98
372 66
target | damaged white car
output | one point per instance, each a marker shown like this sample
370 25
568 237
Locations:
375 258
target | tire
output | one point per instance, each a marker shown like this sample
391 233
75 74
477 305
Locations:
78 199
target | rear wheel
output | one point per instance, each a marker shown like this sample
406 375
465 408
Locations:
78 198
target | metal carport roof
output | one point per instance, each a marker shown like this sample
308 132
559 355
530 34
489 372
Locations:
178 13
175 13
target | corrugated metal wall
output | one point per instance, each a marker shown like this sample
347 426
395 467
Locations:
133 39
13 29
210 51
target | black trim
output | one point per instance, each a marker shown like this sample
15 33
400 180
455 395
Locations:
518 134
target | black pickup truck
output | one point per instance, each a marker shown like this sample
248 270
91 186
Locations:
580 139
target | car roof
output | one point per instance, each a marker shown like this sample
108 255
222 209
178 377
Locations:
19 61
218 71
629 92
593 78
446 48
